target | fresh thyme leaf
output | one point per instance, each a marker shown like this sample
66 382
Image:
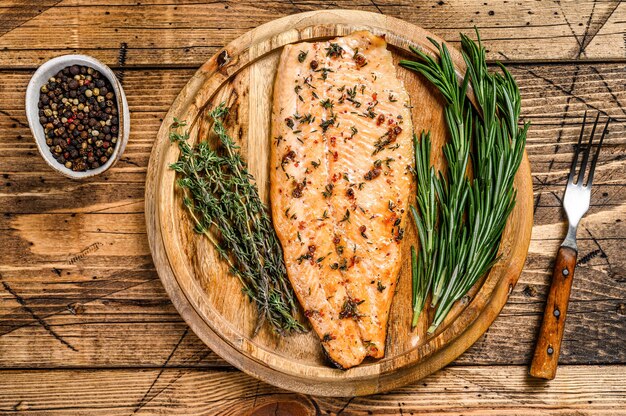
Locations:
223 201
460 220
302 56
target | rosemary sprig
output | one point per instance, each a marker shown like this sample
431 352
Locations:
460 220
223 201
425 220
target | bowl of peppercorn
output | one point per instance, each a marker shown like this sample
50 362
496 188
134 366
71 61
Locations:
78 114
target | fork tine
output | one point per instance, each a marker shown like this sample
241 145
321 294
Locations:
595 156
583 165
572 170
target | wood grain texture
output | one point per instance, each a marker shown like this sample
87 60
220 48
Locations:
189 32
548 348
111 307
500 391
129 300
197 280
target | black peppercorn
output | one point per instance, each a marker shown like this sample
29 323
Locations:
77 109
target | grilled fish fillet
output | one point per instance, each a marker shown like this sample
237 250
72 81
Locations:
340 182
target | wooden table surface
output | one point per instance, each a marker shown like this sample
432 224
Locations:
85 325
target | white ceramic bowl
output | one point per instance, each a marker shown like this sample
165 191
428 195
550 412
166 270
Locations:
41 77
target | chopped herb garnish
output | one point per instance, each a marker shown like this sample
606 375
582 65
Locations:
346 216
327 123
370 110
324 72
349 308
334 50
302 56
380 286
305 256
352 92
327 338
328 192
372 174
381 143
354 131
343 264
327 103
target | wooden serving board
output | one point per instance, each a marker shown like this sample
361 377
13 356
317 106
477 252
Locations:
210 299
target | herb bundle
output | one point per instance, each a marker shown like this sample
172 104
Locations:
460 220
224 203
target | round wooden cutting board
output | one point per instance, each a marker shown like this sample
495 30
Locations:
210 299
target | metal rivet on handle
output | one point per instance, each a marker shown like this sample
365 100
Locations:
565 272
550 350
557 312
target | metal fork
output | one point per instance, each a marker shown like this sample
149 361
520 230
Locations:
576 203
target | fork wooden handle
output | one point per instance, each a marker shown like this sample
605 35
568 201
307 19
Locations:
548 346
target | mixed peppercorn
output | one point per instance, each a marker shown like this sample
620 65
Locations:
79 114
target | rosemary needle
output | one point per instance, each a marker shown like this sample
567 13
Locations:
223 202
460 220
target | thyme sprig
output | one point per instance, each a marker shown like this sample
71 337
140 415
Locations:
223 201
460 219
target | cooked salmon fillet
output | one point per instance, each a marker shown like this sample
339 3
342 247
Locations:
340 181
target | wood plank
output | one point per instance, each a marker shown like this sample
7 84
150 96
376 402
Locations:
187 33
125 304
472 390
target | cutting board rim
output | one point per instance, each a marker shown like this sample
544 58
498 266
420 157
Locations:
371 378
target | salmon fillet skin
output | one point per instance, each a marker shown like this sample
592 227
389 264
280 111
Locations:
340 173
